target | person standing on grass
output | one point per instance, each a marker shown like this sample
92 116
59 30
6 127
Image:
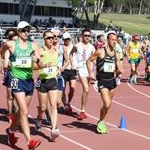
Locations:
83 50
108 65
22 84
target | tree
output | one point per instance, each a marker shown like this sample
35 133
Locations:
98 6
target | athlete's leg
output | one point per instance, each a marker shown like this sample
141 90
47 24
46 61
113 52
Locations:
106 96
86 87
42 97
21 100
53 95
72 84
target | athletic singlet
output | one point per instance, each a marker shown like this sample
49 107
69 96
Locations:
83 54
60 56
49 72
134 50
21 63
119 50
106 67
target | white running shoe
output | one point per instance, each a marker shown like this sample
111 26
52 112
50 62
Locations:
118 81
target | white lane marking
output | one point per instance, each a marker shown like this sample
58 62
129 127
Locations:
129 131
137 91
69 139
128 107
72 141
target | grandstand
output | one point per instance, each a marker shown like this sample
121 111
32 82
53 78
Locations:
59 10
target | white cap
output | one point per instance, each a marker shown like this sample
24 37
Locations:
55 30
66 35
111 31
3 41
22 24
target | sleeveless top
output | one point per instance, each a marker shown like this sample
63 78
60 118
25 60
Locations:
21 61
134 50
60 56
105 67
83 54
49 72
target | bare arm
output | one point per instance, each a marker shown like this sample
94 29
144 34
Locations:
66 61
6 47
91 59
118 67
37 63
127 51
74 50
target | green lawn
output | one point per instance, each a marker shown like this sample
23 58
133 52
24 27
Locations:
130 23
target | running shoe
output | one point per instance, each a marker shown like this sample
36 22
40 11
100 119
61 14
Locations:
38 124
135 80
68 109
10 118
101 128
33 144
118 81
48 119
54 134
82 116
12 140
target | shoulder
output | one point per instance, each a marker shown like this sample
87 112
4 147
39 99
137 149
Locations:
34 45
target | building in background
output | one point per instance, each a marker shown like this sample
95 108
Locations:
59 10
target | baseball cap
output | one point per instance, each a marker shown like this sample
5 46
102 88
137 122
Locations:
66 35
23 24
55 30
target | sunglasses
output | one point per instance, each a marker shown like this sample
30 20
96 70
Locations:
24 30
67 39
50 37
56 36
86 35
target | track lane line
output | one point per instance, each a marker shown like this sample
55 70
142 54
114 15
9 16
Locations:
123 105
113 125
68 139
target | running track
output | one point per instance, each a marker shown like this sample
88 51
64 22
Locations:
130 101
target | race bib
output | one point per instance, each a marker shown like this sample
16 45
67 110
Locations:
23 62
49 70
14 83
82 64
135 50
38 83
109 67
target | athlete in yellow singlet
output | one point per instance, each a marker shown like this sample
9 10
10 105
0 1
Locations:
134 55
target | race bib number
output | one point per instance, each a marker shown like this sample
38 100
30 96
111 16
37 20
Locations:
82 64
23 62
135 50
38 83
49 70
109 67
14 83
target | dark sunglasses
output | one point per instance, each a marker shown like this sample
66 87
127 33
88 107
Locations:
24 30
56 36
67 39
86 35
50 37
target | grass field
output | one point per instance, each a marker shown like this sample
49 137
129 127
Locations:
130 23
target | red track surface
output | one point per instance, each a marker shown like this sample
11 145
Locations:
130 101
